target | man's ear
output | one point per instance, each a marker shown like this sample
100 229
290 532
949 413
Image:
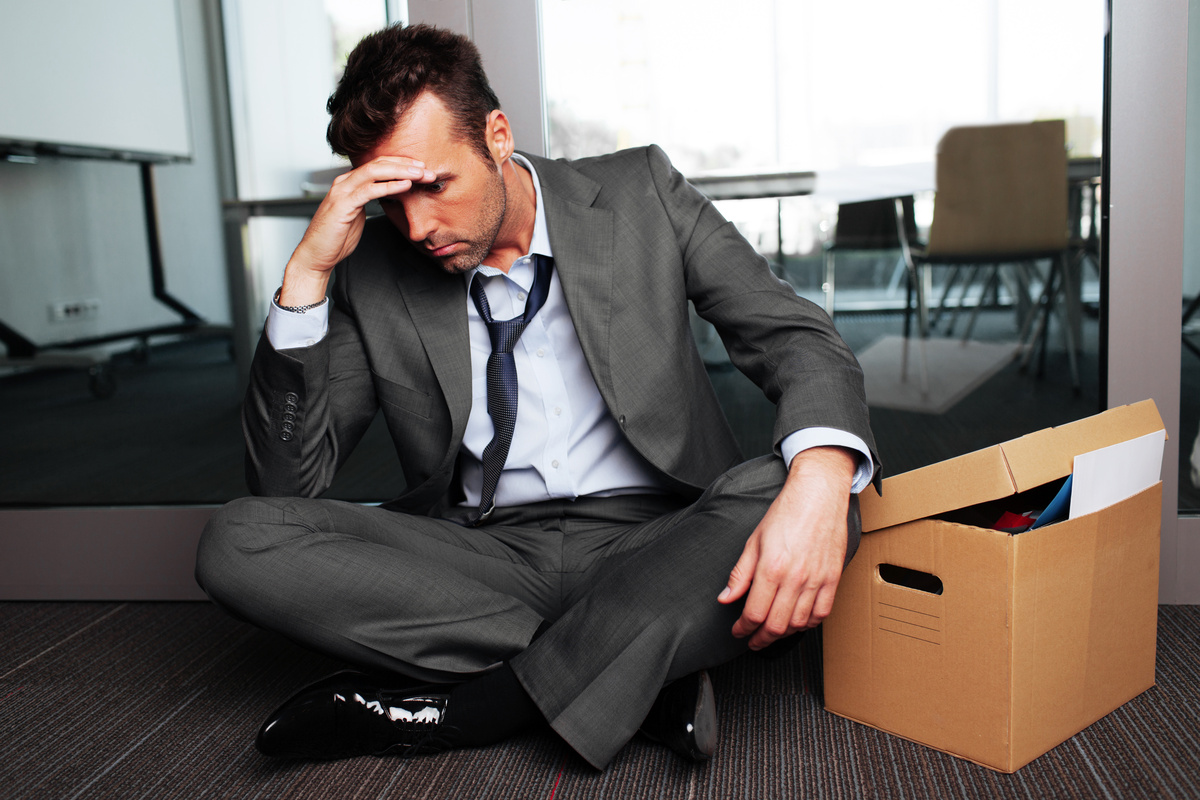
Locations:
499 136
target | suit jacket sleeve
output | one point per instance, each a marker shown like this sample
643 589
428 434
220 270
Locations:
785 344
306 408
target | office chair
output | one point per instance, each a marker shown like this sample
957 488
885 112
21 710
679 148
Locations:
1001 200
867 225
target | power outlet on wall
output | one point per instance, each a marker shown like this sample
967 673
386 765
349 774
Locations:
72 310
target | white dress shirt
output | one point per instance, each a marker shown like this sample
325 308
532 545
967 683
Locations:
565 444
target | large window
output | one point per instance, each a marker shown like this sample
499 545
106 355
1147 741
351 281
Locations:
862 89
810 83
814 85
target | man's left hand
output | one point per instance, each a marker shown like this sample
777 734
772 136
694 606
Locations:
793 561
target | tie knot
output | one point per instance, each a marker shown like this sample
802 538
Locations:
505 333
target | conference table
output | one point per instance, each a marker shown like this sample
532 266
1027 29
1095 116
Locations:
847 184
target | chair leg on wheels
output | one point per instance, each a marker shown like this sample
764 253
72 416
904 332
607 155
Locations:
1066 289
1038 318
951 279
993 281
1047 308
962 298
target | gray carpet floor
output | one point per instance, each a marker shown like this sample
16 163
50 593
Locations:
160 700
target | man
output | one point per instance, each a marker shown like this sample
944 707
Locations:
577 531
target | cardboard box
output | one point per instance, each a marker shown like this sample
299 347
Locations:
990 646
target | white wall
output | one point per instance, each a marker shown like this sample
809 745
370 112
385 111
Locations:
74 230
1146 235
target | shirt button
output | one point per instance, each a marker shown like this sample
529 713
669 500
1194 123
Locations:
557 412
309 342
520 295
554 463
541 352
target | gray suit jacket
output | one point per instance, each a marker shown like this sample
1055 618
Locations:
632 242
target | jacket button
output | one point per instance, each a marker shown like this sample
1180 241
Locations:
287 426
621 420
290 408
286 436
289 417
291 397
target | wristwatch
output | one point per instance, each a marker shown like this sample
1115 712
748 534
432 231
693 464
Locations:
297 309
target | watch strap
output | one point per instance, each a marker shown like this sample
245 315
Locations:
297 309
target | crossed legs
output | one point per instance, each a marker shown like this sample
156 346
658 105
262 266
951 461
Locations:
628 584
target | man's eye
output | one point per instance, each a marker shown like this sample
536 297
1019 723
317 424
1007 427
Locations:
435 187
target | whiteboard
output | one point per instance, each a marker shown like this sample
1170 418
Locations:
92 78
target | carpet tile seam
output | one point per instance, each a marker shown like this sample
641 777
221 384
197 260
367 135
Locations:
362 787
84 721
128 648
232 763
45 622
64 641
81 724
248 746
139 743
1149 749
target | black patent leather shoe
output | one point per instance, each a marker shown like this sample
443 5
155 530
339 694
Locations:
684 717
351 714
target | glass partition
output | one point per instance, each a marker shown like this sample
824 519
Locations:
154 419
754 87
860 93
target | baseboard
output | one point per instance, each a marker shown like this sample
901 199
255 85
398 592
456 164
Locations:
128 553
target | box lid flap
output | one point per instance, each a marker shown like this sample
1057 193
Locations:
1049 454
954 483
1001 470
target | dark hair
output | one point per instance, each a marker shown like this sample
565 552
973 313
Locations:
391 68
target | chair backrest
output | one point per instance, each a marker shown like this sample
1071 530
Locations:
1001 189
871 225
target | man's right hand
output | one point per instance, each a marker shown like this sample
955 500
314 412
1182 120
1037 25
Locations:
337 226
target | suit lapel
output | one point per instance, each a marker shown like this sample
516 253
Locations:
436 302
581 237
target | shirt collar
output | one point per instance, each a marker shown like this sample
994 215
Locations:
522 272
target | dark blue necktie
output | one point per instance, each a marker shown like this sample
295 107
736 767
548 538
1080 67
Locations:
502 376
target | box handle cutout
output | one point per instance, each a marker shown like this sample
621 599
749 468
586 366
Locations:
911 578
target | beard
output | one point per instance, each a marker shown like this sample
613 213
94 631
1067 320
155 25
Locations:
483 235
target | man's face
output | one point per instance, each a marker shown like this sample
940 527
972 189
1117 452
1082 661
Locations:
456 218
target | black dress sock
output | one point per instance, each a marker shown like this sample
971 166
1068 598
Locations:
490 708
